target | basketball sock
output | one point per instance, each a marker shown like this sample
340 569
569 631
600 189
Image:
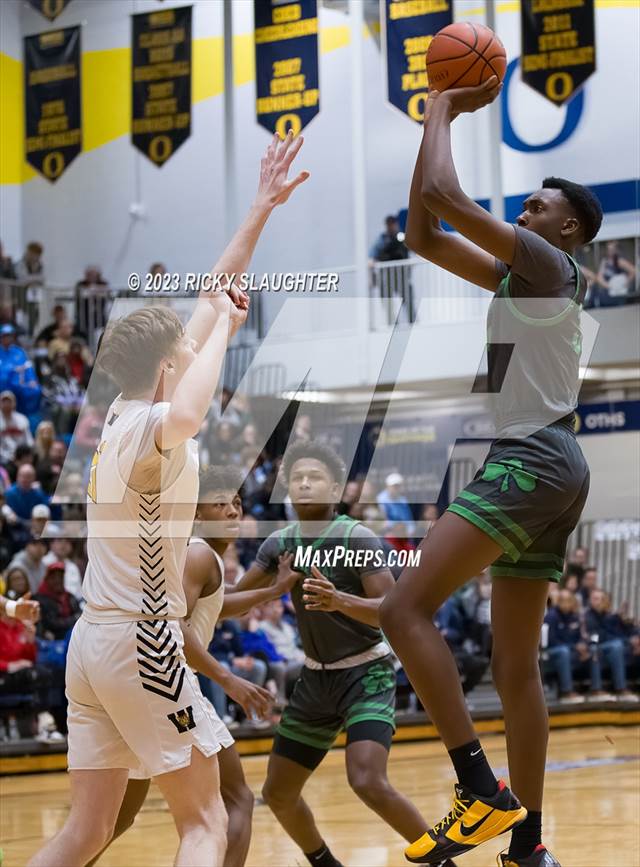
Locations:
322 857
473 769
526 836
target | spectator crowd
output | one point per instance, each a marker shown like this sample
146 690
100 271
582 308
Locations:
588 650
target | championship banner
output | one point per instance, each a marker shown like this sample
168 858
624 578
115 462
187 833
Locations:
53 136
558 46
409 27
287 84
49 8
161 82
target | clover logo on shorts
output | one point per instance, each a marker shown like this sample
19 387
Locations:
508 470
378 679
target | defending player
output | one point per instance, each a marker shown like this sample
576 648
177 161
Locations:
348 680
133 703
523 503
218 519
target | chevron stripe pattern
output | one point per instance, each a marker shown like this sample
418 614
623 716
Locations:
159 663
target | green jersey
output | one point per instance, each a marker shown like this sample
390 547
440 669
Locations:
344 553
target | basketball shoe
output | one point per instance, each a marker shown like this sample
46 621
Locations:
540 857
473 820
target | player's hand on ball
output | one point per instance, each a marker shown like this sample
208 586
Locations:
286 577
254 700
319 593
275 186
464 100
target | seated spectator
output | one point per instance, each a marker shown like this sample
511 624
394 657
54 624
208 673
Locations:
568 652
24 455
396 507
63 394
25 493
80 361
449 620
616 278
256 644
30 561
248 543
61 340
284 638
222 449
50 468
45 435
59 609
226 647
60 552
46 684
588 583
604 631
14 427
41 363
59 316
71 497
40 514
233 570
475 599
18 375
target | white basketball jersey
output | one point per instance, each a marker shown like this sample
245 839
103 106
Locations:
206 611
140 509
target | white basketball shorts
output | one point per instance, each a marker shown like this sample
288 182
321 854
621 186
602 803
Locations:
133 701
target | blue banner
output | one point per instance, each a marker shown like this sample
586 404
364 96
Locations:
409 26
287 83
598 418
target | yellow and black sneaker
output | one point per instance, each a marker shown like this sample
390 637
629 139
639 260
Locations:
473 820
540 857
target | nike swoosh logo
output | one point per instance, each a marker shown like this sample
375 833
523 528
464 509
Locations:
476 752
468 830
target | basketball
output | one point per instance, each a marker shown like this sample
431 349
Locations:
464 55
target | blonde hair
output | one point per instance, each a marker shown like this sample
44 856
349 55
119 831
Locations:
133 347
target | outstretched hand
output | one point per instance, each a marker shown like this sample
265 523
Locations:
275 186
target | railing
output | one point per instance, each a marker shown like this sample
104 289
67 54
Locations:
427 294
614 549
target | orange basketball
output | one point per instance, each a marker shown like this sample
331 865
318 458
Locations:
464 55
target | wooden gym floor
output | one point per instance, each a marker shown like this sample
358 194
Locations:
592 808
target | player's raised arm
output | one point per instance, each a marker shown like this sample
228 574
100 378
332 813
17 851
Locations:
426 237
274 188
441 191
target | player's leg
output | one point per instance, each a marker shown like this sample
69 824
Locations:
282 792
518 607
454 551
96 796
238 800
194 799
367 754
308 728
134 798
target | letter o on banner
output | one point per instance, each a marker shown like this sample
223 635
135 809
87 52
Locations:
415 106
53 165
571 120
288 122
52 8
559 85
160 148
